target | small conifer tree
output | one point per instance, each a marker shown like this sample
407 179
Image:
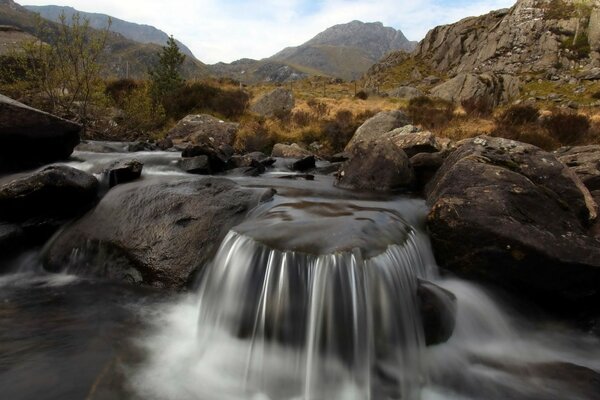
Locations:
166 75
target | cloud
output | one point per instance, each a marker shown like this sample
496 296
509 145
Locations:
228 30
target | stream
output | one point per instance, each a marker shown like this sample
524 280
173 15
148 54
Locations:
312 297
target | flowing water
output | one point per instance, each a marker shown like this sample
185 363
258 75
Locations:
313 297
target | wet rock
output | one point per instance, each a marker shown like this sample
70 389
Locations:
94 146
155 232
437 307
339 157
303 164
425 165
277 102
376 165
203 128
165 143
30 137
289 151
513 214
34 205
377 125
141 146
584 161
196 165
306 177
218 156
124 171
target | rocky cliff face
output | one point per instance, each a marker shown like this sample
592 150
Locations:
532 36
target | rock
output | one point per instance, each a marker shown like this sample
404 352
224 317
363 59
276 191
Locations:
306 177
376 165
491 89
405 92
203 128
156 232
377 125
437 308
513 214
594 29
590 74
141 146
413 141
584 161
94 146
124 171
432 80
30 137
289 151
34 205
425 165
339 157
275 103
196 165
218 157
303 164
253 159
165 143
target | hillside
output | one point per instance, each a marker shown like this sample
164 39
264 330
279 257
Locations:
554 39
122 57
136 32
343 51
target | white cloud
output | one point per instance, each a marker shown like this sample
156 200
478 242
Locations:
228 30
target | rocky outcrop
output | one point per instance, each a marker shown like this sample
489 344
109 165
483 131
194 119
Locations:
374 127
203 128
594 29
376 165
513 214
489 89
289 151
277 102
155 232
34 205
405 92
30 137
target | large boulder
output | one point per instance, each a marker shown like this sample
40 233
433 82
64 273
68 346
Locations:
513 214
405 92
156 232
34 205
275 103
584 161
594 29
203 128
489 88
123 171
376 165
289 151
377 125
30 137
414 141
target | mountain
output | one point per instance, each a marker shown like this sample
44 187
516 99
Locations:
541 39
136 32
341 51
123 57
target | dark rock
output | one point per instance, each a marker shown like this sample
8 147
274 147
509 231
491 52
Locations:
165 144
437 308
374 127
425 165
30 138
156 232
289 151
339 157
413 141
513 214
277 102
584 161
376 165
251 160
196 165
203 128
306 177
94 146
218 157
141 146
304 164
124 171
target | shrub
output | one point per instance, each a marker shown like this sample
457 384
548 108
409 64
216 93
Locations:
433 114
118 90
301 118
567 127
531 133
202 97
319 109
339 131
254 136
478 106
596 95
362 95
519 115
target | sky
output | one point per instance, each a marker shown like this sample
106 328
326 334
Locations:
227 30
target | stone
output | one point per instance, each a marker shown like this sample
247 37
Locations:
413 141
218 157
158 232
289 151
512 214
382 122
594 29
376 165
590 74
424 166
30 137
124 171
584 161
491 89
203 128
303 164
437 307
196 165
275 103
405 92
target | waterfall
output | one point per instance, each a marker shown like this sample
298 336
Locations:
347 326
